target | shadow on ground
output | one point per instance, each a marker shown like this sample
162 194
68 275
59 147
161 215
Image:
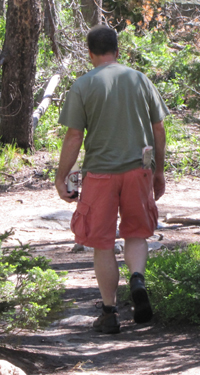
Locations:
71 346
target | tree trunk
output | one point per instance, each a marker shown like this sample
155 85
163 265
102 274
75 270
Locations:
91 10
19 64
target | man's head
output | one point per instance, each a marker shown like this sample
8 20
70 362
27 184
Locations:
102 40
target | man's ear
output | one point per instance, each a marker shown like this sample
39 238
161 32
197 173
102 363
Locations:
117 53
90 54
92 58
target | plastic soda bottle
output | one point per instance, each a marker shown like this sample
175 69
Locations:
72 180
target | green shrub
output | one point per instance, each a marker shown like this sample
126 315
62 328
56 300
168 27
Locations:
182 151
175 72
173 281
29 289
47 132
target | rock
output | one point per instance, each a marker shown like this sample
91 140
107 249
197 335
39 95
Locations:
84 320
7 368
154 245
162 225
118 247
58 215
156 237
77 248
51 224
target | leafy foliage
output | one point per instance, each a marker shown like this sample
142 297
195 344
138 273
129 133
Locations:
29 289
47 134
173 68
166 51
172 279
2 30
174 71
182 152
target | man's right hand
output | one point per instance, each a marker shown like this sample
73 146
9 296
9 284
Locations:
159 185
62 191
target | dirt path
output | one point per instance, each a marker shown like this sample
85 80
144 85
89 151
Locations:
70 346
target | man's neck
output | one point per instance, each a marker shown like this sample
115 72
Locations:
98 60
105 60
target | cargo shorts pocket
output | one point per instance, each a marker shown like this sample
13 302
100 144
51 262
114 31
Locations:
79 225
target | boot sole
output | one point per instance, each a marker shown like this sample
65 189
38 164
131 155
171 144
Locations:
143 311
105 329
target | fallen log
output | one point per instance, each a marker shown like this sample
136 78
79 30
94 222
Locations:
176 46
47 98
181 220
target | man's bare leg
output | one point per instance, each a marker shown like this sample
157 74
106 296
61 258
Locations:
107 274
135 254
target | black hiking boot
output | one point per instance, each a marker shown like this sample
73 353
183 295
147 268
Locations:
108 321
142 308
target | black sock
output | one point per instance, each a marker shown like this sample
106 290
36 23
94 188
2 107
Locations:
110 309
137 274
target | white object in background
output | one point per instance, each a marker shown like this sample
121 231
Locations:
146 156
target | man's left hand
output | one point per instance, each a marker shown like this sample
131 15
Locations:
159 185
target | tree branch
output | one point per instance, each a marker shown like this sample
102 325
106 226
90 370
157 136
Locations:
47 98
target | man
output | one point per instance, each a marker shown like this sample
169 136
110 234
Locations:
122 113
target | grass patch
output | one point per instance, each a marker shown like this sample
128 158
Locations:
173 282
12 160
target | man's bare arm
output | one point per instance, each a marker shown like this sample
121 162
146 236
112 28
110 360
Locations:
160 143
70 150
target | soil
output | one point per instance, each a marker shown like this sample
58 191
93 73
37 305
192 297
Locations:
31 206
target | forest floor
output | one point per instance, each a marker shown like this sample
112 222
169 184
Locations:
69 346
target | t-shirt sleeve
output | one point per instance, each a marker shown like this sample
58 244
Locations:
157 107
73 114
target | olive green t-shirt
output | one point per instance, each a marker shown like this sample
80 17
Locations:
117 106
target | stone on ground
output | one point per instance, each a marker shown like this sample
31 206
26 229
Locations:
7 368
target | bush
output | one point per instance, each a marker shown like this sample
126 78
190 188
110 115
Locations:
173 281
29 289
175 72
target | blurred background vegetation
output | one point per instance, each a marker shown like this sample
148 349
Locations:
159 38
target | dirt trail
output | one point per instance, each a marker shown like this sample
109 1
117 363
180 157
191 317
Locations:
70 346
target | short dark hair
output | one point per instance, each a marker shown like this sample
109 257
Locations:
101 40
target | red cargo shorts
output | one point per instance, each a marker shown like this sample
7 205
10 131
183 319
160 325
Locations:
103 196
